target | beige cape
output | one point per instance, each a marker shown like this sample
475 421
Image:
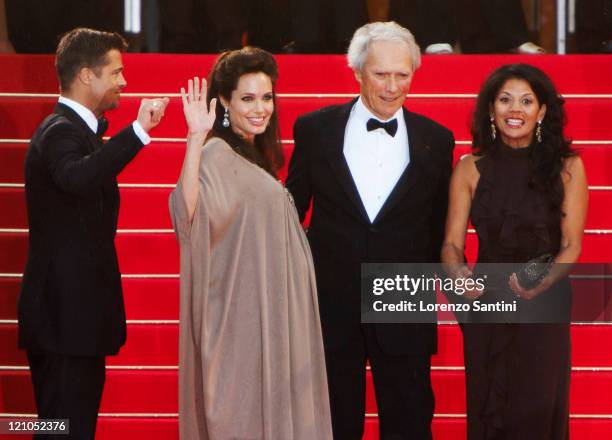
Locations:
251 362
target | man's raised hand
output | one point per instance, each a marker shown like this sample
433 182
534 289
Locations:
151 112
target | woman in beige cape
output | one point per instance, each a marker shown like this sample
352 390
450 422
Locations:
251 362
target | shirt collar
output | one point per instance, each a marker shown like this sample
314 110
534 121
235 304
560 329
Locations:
363 113
85 114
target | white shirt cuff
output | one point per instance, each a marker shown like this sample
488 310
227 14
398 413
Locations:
142 135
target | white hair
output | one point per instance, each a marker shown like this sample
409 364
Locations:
379 31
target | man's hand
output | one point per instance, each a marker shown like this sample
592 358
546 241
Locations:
151 112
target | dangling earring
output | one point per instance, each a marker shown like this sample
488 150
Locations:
539 132
493 130
226 122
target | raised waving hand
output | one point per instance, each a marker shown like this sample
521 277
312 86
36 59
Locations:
200 120
199 117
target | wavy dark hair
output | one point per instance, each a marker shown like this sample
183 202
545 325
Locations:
266 151
548 156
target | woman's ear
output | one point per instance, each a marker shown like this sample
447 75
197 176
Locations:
542 112
223 102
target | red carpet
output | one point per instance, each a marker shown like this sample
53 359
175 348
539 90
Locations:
140 398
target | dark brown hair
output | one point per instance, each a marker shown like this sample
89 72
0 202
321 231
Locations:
548 156
266 151
83 47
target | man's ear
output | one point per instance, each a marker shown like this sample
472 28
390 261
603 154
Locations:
85 75
358 75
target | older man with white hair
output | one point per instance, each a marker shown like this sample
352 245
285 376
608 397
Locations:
377 176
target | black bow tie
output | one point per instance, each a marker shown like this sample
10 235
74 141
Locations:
102 126
389 126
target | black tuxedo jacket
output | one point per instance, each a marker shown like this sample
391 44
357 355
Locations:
71 300
408 228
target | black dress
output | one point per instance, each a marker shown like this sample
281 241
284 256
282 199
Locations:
517 375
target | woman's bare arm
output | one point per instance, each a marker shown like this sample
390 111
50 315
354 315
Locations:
200 121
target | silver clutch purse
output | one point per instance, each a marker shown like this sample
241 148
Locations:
531 273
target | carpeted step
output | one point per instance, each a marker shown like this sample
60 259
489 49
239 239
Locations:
147 208
163 427
587 119
155 298
157 344
160 162
158 253
320 74
139 253
147 344
145 298
133 391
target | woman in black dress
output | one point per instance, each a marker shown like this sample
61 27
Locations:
525 191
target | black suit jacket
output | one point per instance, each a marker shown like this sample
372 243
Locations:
71 300
408 228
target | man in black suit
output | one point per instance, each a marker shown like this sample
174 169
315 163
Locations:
377 176
70 311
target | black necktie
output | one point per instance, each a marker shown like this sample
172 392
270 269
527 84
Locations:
389 126
102 126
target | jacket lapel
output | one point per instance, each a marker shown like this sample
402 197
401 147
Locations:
419 160
335 155
94 141
108 192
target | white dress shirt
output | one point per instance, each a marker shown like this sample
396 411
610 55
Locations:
375 158
92 122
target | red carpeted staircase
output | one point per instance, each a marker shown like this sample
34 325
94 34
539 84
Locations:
140 398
